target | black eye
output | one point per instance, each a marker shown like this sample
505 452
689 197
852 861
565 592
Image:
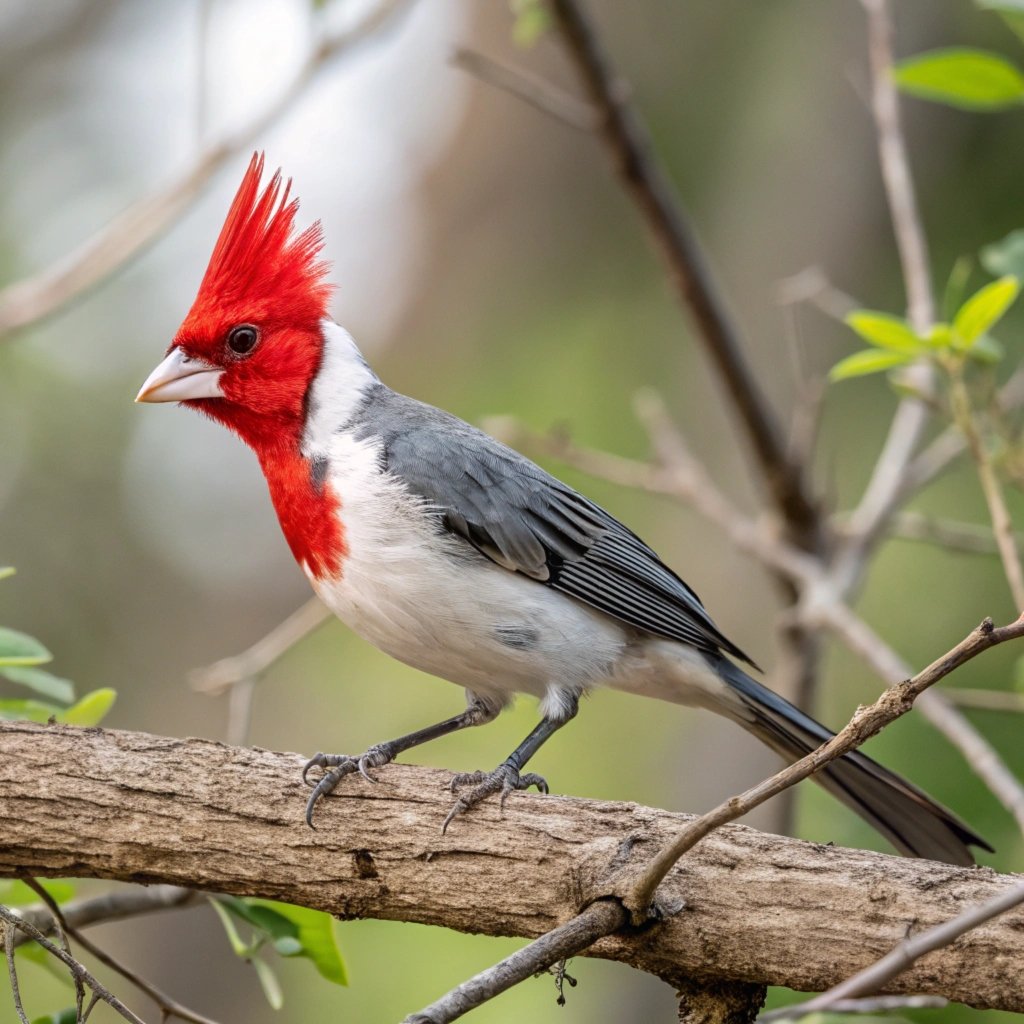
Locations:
242 339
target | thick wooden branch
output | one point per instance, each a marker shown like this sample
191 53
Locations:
742 906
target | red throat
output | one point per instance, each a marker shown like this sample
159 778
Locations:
308 510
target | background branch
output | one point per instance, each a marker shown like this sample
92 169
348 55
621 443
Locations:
629 147
29 300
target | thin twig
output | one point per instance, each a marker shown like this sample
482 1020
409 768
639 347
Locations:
986 700
896 701
13 920
167 1005
33 298
811 285
111 906
982 757
628 145
593 923
61 929
879 499
254 661
240 673
871 1004
1002 523
971 538
12 971
540 95
903 955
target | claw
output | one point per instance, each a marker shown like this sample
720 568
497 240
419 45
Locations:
504 779
318 760
363 770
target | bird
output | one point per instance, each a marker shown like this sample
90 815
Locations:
454 553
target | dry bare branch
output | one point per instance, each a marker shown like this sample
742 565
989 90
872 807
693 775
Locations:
30 300
540 95
579 933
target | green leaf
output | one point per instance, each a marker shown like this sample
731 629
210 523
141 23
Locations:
940 336
962 77
26 710
1005 256
15 893
869 360
240 948
984 309
91 709
7 570
953 293
885 331
21 649
68 1016
41 682
268 981
263 915
315 932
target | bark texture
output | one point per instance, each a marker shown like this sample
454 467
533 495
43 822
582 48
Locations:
743 906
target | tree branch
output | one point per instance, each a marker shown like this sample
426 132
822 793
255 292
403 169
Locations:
646 181
881 496
744 905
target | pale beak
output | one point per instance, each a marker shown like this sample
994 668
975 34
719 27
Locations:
179 378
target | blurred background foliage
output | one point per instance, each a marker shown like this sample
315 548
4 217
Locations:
487 263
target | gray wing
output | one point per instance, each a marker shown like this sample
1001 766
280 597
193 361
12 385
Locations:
526 520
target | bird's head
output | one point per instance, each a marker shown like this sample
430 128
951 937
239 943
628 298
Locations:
252 341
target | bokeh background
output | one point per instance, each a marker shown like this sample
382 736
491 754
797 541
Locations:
488 263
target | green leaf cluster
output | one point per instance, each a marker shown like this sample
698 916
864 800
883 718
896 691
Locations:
20 658
894 343
289 931
966 77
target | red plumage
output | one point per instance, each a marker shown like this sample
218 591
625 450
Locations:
263 275
258 264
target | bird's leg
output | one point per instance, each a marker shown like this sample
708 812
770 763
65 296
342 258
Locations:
336 766
506 777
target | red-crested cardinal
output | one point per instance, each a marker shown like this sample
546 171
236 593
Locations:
455 554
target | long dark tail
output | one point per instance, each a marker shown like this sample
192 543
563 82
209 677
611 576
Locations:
910 819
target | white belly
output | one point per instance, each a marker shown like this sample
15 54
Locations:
430 600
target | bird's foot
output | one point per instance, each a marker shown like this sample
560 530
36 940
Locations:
336 766
504 780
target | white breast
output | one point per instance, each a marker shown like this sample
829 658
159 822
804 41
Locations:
432 601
